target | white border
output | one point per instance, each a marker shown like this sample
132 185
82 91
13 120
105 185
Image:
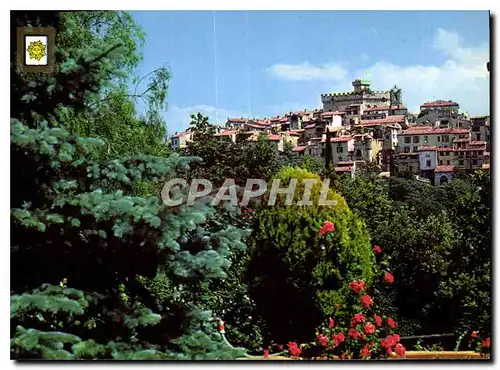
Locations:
190 5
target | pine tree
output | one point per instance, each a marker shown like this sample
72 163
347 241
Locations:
85 246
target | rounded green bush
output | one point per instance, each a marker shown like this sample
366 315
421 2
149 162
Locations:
298 276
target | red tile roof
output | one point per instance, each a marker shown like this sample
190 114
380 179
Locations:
226 133
299 148
439 103
388 119
293 133
343 169
342 139
426 130
444 168
345 162
478 143
255 125
424 148
273 137
383 108
237 120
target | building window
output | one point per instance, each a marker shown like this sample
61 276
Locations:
461 162
416 139
440 162
415 148
478 137
407 149
407 140
426 139
446 138
340 149
476 128
474 162
322 152
439 139
340 159
427 163
448 162
393 135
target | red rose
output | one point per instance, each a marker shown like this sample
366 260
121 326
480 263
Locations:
266 353
391 323
354 334
357 286
343 356
338 339
358 319
378 321
365 351
400 350
327 227
369 328
390 341
280 347
389 278
396 337
294 349
474 334
486 343
377 249
323 340
331 323
367 301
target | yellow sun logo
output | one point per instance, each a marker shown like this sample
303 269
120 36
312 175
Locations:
36 50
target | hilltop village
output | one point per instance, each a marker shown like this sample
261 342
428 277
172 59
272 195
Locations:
364 126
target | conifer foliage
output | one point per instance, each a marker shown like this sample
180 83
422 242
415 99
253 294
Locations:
83 242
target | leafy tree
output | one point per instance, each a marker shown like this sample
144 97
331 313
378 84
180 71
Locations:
85 247
296 274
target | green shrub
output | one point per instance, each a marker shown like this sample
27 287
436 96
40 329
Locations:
297 276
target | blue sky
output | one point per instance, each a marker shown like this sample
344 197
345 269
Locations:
264 63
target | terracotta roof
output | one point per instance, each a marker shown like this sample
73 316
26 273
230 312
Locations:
275 119
284 120
425 130
383 108
444 168
345 162
255 125
388 119
342 139
181 134
343 169
439 103
273 137
444 149
299 148
331 114
237 120
226 133
478 143
424 148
